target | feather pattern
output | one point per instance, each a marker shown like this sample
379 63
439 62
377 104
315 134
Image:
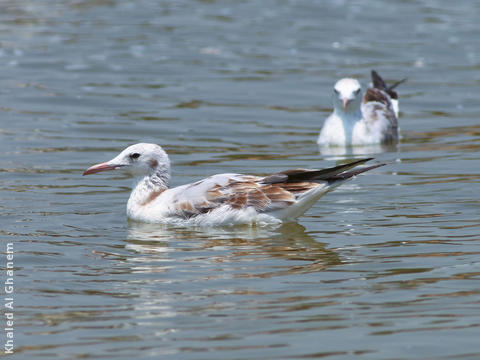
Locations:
372 119
273 195
223 198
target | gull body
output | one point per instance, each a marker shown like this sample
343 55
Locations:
222 199
362 120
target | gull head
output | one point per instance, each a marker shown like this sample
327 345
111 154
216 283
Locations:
347 95
137 160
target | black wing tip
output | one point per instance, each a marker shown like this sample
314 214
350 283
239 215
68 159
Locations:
328 174
396 83
368 168
371 167
367 159
350 174
380 84
378 81
360 161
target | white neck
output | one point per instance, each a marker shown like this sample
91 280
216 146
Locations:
349 120
147 188
350 116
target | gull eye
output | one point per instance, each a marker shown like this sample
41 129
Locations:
336 91
357 91
134 156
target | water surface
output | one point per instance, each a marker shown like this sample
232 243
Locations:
385 267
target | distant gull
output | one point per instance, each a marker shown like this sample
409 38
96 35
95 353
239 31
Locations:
222 199
372 119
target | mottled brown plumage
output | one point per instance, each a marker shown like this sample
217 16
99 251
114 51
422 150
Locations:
152 196
266 194
362 120
373 94
380 84
222 198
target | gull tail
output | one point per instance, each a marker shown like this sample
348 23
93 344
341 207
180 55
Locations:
350 174
380 84
328 180
300 175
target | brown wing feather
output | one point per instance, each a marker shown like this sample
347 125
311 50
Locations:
262 194
301 175
377 106
153 195
187 209
377 81
262 197
380 84
376 95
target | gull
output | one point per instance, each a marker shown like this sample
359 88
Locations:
357 120
222 199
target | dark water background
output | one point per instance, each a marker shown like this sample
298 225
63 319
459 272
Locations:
386 267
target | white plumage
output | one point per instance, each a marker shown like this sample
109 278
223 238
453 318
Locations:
357 120
223 198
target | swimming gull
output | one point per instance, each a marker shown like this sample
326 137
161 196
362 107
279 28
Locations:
223 198
357 120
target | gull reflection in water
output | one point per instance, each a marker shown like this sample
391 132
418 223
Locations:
176 272
345 152
231 245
